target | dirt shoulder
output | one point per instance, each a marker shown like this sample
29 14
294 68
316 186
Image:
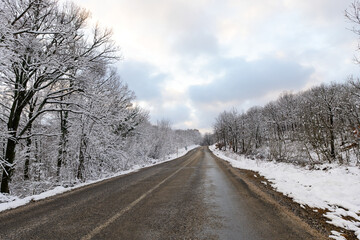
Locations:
311 217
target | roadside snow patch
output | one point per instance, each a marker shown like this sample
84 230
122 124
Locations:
336 235
9 201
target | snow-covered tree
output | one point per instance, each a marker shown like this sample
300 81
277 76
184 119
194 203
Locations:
46 47
65 114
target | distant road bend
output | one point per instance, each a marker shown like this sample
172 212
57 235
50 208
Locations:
193 197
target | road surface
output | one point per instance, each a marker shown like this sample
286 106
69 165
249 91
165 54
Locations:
192 197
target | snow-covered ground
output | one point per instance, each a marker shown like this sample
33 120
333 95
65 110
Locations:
328 186
8 201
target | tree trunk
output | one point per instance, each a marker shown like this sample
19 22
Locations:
257 141
332 136
13 124
3 149
37 160
224 139
8 171
81 167
28 142
62 142
243 145
27 157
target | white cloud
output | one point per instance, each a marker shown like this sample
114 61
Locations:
176 42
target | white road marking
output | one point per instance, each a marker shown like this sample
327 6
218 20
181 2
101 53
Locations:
99 228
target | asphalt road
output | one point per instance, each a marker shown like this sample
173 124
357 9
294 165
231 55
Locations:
192 197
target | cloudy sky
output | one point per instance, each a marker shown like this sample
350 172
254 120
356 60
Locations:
188 60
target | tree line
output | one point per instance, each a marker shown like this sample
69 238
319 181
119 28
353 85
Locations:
321 124
65 114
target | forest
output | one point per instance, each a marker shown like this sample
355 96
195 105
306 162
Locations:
319 125
66 116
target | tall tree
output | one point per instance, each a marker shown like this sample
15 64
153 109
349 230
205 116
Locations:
46 47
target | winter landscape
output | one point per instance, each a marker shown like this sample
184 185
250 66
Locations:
179 119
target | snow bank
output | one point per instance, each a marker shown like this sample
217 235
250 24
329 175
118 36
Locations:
9 202
328 186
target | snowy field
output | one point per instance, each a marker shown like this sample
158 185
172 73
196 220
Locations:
327 186
8 201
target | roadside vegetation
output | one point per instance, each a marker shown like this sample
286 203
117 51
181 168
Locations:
65 114
320 125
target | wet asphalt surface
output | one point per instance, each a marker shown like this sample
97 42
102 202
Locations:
189 198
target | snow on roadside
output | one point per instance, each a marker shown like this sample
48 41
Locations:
9 201
330 186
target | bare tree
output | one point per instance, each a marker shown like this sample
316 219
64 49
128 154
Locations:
46 47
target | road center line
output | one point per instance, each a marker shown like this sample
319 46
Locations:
130 206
